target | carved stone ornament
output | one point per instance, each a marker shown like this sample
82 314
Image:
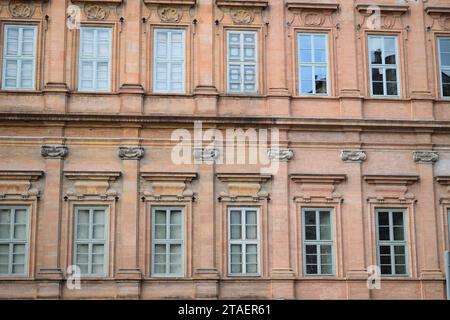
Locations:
168 186
96 12
91 184
353 155
319 187
206 154
19 184
243 186
131 153
426 156
169 14
57 151
21 9
313 19
440 17
242 16
282 155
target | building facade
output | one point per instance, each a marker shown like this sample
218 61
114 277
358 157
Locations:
115 121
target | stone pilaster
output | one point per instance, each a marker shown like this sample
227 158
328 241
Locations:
281 270
48 254
128 270
55 86
205 268
353 220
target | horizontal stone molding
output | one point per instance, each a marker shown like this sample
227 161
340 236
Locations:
304 5
243 3
171 2
437 10
384 8
443 180
391 179
318 178
317 187
54 151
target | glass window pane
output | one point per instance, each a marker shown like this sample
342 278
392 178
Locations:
160 232
392 89
377 74
397 218
444 44
251 232
320 56
305 56
400 269
325 233
310 233
175 217
386 269
20 232
383 233
376 57
445 59
18 269
175 232
391 75
324 217
252 268
310 217
446 90
377 88
83 216
236 268
251 217
5 216
160 268
5 231
20 216
390 58
236 232
311 269
83 231
160 217
235 217
306 73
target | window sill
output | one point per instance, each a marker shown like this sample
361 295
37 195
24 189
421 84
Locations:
28 91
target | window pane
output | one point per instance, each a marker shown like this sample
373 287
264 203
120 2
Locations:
20 232
236 232
384 233
377 88
251 232
310 217
377 74
175 232
400 269
391 75
160 268
160 217
20 216
320 56
251 217
160 232
390 58
99 232
445 44
311 269
12 41
305 56
310 233
375 57
386 269
175 217
445 59
235 217
305 41
392 89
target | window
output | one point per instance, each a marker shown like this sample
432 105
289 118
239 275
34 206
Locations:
243 239
169 61
444 66
19 57
392 246
95 59
313 64
168 242
13 240
318 241
383 62
91 241
242 65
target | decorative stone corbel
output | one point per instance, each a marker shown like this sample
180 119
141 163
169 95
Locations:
243 12
282 155
206 154
429 157
131 153
54 151
353 155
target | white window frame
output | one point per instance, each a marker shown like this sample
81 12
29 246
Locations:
95 60
384 66
393 243
244 242
319 243
19 58
11 241
243 63
313 64
90 242
442 68
167 243
169 60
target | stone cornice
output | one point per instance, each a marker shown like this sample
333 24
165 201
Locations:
243 177
171 2
443 180
384 8
242 3
329 123
302 5
437 10
318 178
98 1
391 179
92 175
172 176
31 175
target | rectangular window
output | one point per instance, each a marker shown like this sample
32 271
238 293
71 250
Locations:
243 239
95 59
168 242
91 238
318 244
313 63
13 240
444 66
169 61
19 57
392 245
384 66
242 64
